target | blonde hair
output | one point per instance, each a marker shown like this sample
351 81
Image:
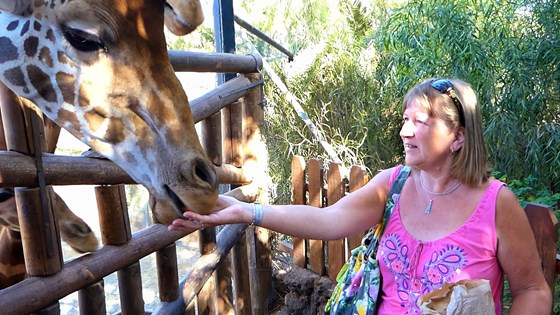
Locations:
470 162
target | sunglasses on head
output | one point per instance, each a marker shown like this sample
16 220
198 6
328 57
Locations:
446 87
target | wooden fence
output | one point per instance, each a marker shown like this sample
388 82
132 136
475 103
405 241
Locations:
314 185
231 117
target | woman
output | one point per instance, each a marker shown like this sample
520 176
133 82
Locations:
453 221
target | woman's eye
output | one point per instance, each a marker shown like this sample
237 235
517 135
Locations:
81 40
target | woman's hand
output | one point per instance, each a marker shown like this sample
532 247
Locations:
227 210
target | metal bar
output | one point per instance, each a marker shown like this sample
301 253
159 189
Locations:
255 31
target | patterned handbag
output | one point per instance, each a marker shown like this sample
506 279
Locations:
359 280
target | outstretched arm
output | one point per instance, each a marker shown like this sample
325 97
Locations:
358 211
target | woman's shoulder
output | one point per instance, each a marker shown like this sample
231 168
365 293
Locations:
385 175
507 202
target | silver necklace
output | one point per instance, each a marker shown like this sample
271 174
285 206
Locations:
435 194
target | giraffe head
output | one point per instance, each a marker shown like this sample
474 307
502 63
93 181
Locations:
100 69
73 230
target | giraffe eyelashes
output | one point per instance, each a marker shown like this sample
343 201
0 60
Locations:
82 41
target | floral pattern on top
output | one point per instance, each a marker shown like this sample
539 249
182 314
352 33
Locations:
442 266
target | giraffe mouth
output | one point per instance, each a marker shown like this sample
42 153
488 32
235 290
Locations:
178 205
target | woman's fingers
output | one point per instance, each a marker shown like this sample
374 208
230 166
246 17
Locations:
181 224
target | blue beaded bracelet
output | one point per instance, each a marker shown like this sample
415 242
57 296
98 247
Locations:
257 214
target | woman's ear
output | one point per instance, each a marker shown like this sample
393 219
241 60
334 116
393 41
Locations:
459 140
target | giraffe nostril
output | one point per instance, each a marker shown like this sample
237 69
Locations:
205 172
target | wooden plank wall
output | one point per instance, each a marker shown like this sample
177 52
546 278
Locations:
317 185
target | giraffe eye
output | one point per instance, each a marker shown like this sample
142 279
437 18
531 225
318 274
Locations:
82 41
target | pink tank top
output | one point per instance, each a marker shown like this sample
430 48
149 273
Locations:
411 268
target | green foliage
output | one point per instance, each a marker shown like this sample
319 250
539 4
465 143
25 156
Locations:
353 88
530 189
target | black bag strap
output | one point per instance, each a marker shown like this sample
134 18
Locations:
395 189
389 207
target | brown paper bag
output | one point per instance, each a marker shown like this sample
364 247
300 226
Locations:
459 298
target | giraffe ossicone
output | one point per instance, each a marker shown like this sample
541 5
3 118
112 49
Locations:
100 69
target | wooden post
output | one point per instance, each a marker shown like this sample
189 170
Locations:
207 297
299 198
38 225
39 231
130 290
545 228
92 299
113 214
316 256
212 138
167 273
212 142
335 192
50 310
234 294
358 179
13 121
115 230
242 287
232 134
254 165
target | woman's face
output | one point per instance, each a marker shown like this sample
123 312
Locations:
427 140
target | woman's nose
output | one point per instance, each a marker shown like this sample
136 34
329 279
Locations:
407 130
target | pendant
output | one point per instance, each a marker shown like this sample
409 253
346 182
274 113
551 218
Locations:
429 207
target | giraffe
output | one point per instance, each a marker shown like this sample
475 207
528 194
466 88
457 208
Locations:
73 230
100 69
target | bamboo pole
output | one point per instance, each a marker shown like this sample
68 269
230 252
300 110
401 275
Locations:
167 273
254 164
17 169
211 138
189 61
115 230
13 120
242 286
91 299
38 226
225 94
39 233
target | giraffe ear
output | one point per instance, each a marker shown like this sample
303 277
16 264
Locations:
17 7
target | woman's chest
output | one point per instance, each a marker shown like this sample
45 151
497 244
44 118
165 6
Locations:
445 215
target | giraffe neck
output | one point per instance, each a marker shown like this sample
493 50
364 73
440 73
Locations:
8 211
12 262
30 62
